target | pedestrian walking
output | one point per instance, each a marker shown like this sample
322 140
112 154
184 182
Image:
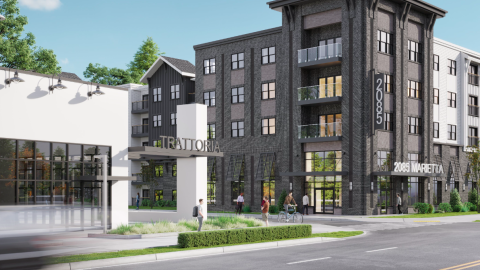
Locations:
306 202
138 200
288 200
200 214
265 207
240 202
399 204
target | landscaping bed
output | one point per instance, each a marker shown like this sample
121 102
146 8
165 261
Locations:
433 215
212 223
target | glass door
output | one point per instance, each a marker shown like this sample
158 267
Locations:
318 201
324 200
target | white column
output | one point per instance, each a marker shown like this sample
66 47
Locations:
191 172
119 208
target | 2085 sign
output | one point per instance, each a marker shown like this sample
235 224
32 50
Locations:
379 98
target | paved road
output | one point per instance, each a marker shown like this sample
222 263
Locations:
424 247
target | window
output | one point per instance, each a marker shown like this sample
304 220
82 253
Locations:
238 61
174 169
158 170
473 106
236 175
473 75
384 193
389 121
144 143
385 42
268 55
330 125
452 100
157 143
238 95
268 126
211 180
326 161
157 94
414 51
174 195
209 66
436 62
173 119
452 132
452 67
436 94
209 98
414 159
389 83
238 129
330 86
146 193
436 130
210 131
175 91
384 161
157 120
159 195
414 125
472 136
268 90
415 190
414 89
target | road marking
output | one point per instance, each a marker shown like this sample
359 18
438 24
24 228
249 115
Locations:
472 265
469 265
381 249
310 260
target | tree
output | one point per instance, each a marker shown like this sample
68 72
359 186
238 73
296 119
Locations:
109 76
281 200
473 155
148 174
18 50
144 58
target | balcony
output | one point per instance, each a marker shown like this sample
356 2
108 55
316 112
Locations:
473 79
320 56
140 131
140 179
140 106
473 110
320 94
320 132
472 141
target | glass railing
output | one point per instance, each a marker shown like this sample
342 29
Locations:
472 141
320 52
140 129
473 110
473 79
140 105
320 130
320 91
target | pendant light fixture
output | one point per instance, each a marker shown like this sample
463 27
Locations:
15 79
59 85
97 91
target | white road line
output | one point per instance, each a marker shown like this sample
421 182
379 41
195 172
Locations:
310 260
381 249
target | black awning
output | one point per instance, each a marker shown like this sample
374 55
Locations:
408 174
312 173
211 168
266 167
236 167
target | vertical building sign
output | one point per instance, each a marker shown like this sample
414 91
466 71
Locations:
379 100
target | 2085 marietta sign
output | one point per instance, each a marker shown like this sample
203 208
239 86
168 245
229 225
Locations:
417 168
379 100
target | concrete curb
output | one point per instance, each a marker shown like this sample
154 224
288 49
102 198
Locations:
131 236
190 253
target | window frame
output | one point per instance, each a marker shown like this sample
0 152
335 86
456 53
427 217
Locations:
452 100
238 63
268 126
384 46
210 103
451 132
452 67
414 92
436 64
268 55
175 91
436 96
389 84
436 130
157 94
173 119
389 123
235 133
210 132
208 67
414 125
157 120
268 92
237 96
415 51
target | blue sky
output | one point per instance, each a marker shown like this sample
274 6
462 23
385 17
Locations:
109 32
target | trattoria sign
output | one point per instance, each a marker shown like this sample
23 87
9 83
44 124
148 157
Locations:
417 168
189 144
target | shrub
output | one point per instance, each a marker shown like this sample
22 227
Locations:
473 208
439 211
469 205
215 238
145 202
445 207
431 209
465 209
455 199
281 200
421 208
473 197
457 208
273 209
247 209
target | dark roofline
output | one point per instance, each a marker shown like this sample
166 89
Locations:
417 3
271 31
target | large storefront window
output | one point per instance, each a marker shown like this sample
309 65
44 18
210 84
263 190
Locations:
211 181
415 190
238 186
268 189
329 161
324 192
385 193
384 161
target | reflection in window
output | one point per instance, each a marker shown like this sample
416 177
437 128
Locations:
25 170
25 192
60 151
74 170
74 152
329 161
43 194
384 191
8 148
413 190
43 170
8 169
88 152
25 149
43 150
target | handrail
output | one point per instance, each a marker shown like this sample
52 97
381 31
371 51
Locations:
320 130
320 52
320 91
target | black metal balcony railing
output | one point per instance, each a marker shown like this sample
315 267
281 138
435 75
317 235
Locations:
320 130
140 129
140 105
472 141
473 110
320 91
473 79
319 53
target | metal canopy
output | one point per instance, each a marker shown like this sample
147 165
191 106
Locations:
157 153
411 174
266 167
235 167
210 168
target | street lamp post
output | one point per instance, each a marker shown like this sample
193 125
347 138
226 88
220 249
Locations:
104 190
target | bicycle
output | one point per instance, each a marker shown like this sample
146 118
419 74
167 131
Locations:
295 216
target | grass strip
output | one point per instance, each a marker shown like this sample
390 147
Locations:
137 252
154 208
451 214
477 221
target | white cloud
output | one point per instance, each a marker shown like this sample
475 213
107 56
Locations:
64 61
41 4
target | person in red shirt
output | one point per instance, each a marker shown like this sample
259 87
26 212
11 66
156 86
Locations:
265 207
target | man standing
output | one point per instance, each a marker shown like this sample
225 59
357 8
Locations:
138 199
399 204
265 207
288 200
240 202
306 202
200 214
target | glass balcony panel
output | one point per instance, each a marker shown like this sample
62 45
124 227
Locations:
320 52
320 130
320 91
312 54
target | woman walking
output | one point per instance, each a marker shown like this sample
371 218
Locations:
240 203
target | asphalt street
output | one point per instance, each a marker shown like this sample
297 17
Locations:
452 246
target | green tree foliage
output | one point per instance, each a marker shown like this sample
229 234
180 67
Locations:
281 200
142 61
148 176
17 49
473 155
473 197
455 199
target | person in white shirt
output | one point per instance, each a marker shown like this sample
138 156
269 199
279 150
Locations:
240 202
200 214
306 202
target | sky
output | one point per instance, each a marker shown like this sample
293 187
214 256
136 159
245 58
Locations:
109 32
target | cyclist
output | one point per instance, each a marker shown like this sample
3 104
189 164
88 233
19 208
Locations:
288 200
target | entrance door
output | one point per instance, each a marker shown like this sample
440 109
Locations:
324 200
